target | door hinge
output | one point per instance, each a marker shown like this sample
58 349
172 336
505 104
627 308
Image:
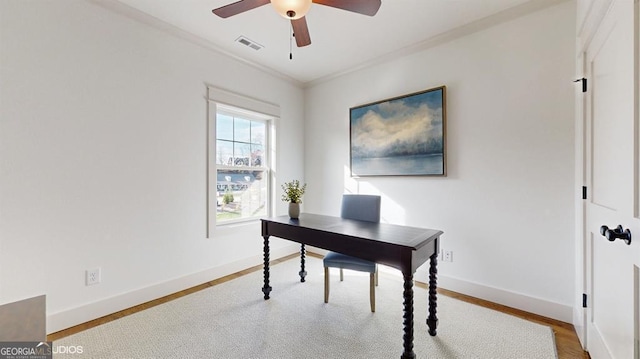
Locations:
584 192
584 83
584 300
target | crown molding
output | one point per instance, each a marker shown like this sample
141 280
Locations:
144 18
470 28
473 27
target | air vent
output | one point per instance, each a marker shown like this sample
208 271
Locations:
250 43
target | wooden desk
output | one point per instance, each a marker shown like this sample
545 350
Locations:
401 247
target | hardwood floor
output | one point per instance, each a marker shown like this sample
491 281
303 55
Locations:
567 342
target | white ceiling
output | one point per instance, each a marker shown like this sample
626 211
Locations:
340 40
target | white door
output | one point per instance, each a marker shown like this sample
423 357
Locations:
612 177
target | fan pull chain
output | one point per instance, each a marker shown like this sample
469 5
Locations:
290 42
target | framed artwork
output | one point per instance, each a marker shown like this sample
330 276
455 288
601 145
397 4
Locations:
401 136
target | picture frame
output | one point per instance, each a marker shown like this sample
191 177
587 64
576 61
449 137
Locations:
400 136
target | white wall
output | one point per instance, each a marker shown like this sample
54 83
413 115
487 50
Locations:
506 205
102 159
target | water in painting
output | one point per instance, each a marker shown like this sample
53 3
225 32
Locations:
402 165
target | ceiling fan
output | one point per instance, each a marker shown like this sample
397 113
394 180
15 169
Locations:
295 10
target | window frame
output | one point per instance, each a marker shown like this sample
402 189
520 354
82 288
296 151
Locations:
229 103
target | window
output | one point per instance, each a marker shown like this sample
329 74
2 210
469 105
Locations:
242 172
240 158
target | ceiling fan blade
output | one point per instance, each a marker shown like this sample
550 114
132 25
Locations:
301 32
364 7
238 7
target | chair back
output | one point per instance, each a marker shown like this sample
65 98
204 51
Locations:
362 207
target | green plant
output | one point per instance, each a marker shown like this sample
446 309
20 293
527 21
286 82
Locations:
228 197
293 191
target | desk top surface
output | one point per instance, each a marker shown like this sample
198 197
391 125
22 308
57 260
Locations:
412 237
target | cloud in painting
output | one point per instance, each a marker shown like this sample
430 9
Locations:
395 128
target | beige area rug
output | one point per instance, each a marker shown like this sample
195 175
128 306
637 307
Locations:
232 320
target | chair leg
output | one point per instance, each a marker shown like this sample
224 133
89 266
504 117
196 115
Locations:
326 284
341 275
376 275
372 292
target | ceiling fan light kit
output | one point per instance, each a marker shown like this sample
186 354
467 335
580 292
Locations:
292 9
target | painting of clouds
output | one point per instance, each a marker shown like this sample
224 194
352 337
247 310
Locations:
403 136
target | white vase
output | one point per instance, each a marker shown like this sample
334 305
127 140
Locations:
294 210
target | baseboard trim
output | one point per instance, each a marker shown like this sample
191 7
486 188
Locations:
71 317
508 298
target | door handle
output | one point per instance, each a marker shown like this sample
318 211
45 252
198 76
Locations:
616 233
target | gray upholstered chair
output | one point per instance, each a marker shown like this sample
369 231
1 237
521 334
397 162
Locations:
362 208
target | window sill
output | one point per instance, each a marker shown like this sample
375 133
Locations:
235 227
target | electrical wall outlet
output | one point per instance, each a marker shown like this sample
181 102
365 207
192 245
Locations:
92 276
448 256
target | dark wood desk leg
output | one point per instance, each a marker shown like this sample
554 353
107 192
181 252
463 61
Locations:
432 320
302 271
266 289
408 318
